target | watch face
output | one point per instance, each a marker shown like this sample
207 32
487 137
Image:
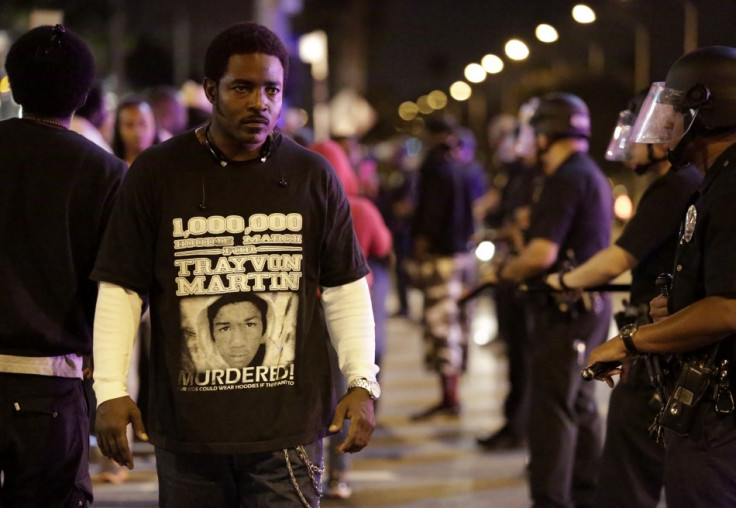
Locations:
375 389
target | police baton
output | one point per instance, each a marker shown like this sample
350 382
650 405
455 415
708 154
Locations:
599 368
651 361
541 288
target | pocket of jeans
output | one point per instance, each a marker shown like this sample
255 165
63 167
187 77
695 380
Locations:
36 406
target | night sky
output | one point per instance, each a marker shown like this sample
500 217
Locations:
414 46
428 42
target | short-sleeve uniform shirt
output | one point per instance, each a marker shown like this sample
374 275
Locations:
651 234
705 264
574 210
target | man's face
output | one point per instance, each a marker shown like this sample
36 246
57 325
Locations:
137 128
247 99
237 330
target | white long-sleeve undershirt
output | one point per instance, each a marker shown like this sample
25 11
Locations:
117 317
349 318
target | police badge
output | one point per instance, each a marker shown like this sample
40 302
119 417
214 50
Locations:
690 219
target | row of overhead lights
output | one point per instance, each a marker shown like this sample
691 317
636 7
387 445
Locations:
515 49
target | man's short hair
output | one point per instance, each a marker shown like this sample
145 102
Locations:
242 39
231 298
50 70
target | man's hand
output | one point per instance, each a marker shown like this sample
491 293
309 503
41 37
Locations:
553 281
658 308
113 417
610 351
357 406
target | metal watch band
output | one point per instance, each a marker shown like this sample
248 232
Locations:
361 382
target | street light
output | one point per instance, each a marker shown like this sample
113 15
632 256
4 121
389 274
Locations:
475 73
492 63
546 33
408 111
596 58
437 99
583 14
313 50
516 49
460 91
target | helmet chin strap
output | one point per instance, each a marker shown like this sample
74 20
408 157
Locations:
641 169
676 156
539 153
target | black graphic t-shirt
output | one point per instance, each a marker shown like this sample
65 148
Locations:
232 262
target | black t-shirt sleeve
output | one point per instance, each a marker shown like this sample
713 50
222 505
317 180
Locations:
127 252
341 259
553 214
657 217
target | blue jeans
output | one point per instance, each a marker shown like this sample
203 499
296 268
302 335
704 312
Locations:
44 442
279 479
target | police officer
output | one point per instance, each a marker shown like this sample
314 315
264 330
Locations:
511 313
695 111
632 464
571 219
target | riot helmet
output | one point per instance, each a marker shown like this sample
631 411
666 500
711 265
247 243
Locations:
561 115
698 98
621 146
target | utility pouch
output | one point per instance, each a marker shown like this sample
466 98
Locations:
693 383
631 314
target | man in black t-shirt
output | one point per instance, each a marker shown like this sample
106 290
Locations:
694 111
235 208
570 221
56 194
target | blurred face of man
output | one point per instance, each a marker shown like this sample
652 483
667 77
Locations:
246 103
237 330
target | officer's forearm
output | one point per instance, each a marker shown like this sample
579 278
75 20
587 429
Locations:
538 255
697 325
601 268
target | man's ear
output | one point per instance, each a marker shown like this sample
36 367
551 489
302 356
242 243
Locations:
210 89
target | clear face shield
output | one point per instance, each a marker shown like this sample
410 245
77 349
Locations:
621 146
663 118
526 143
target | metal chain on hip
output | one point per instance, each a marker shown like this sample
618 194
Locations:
311 470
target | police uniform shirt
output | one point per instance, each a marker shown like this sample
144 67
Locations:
574 209
651 234
706 256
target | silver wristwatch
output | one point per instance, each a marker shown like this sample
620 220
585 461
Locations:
372 387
